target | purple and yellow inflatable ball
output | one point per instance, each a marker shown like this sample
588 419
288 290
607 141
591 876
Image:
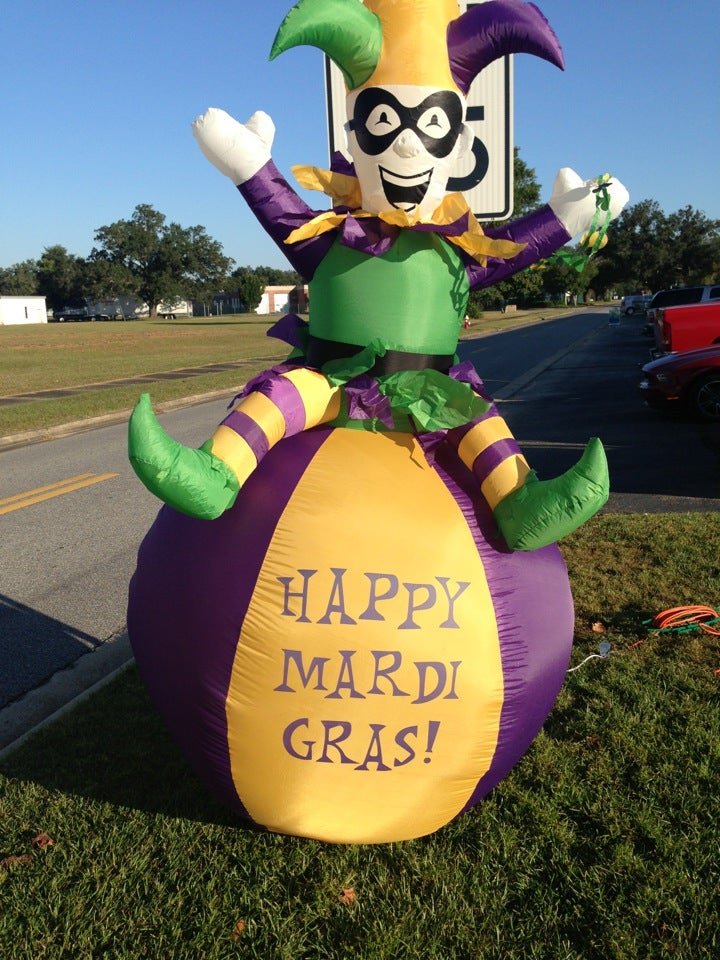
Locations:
350 653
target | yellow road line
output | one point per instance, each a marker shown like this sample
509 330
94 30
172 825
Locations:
50 490
48 486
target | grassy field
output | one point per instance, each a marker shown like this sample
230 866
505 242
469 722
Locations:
57 356
601 844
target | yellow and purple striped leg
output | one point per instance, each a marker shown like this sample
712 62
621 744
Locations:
489 449
285 404
204 483
530 513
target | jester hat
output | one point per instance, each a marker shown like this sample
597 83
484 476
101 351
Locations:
417 42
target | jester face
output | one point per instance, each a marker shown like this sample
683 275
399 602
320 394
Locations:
405 141
408 65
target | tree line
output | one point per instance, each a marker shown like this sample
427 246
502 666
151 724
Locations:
144 257
161 262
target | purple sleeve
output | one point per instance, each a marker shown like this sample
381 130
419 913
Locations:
541 231
280 211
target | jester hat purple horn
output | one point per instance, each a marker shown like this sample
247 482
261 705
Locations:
495 29
417 41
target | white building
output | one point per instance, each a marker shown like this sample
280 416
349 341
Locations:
281 299
22 310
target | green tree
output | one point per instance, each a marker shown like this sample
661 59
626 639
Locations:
526 189
559 279
250 285
61 278
105 279
695 241
275 277
157 261
637 256
651 250
19 280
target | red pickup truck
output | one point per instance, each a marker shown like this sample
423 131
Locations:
689 327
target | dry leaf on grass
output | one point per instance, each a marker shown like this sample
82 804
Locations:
42 840
15 861
598 627
238 929
348 897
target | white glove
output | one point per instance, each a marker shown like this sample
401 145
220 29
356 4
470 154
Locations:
573 200
237 150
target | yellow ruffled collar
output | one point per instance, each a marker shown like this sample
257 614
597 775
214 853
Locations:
344 191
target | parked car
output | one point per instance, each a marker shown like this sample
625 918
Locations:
70 315
635 304
687 327
689 382
679 296
76 316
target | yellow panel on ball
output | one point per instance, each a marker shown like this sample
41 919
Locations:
368 675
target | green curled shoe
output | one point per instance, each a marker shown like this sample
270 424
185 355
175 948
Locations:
543 511
192 481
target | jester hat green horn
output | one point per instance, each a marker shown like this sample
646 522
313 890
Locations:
418 42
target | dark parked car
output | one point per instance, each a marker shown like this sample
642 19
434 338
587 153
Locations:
685 381
76 316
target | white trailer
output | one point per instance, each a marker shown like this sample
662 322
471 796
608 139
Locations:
22 310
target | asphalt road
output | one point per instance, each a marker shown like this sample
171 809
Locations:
68 550
66 559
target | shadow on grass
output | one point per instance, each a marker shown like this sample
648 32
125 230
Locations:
113 748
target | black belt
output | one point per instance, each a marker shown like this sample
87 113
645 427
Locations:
320 351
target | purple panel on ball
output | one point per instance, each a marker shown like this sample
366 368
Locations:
189 586
534 613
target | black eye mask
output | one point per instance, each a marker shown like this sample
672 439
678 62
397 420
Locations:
437 121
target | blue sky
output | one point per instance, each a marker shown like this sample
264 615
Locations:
97 100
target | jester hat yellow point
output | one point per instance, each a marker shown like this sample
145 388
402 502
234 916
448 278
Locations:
417 42
414 49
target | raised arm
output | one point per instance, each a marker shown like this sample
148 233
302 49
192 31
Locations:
569 212
242 153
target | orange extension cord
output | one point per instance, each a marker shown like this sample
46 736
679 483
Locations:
686 619
698 616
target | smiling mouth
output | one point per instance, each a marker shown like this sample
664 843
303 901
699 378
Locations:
405 193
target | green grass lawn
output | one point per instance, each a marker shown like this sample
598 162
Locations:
39 356
601 844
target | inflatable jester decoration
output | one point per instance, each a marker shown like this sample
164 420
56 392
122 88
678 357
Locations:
389 268
351 613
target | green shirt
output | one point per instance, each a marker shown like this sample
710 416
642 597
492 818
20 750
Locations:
412 298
